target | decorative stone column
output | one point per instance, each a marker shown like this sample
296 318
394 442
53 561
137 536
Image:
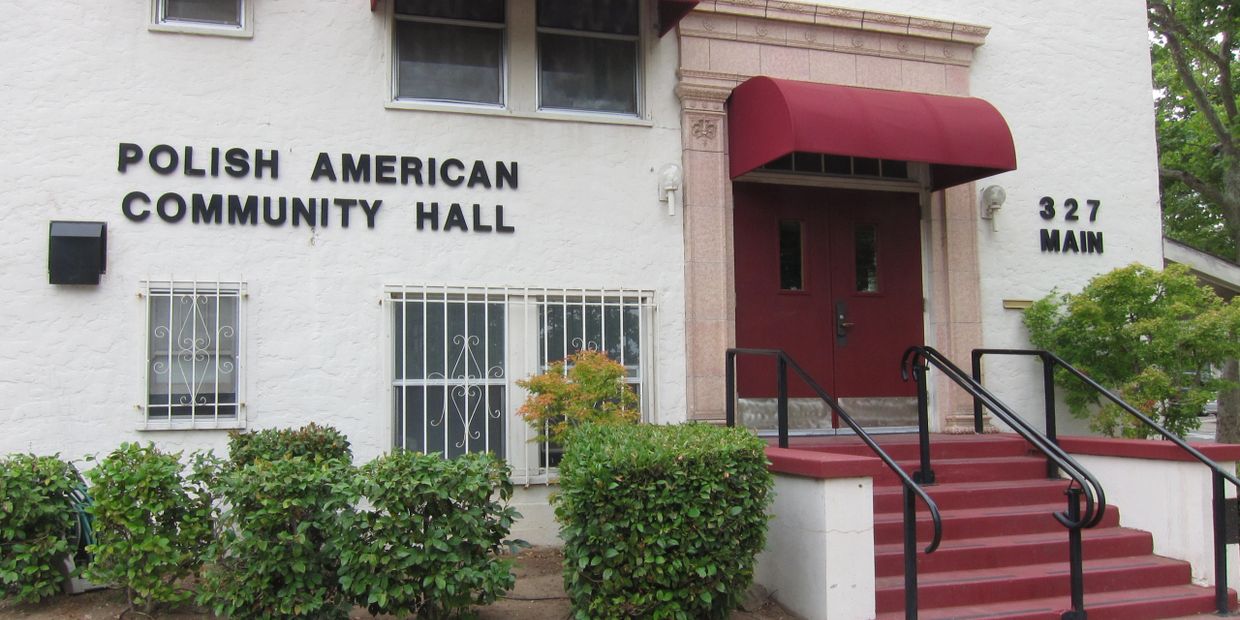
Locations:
710 310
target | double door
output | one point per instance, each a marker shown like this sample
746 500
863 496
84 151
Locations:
832 277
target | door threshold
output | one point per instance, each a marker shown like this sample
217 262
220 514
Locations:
834 432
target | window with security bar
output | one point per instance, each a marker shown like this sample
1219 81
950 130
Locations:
459 352
193 369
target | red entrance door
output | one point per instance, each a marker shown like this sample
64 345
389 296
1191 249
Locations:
833 277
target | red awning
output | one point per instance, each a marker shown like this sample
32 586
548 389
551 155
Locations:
962 138
671 12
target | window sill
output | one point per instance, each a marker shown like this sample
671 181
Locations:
192 425
550 115
205 30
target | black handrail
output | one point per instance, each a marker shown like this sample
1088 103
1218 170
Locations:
1219 475
1081 481
910 487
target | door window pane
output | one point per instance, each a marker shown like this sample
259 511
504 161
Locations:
791 256
866 247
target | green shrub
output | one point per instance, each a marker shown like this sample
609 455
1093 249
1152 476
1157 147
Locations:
429 543
661 521
591 390
36 521
276 554
311 441
1151 336
151 522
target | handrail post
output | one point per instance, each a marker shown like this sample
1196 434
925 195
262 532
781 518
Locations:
729 388
977 402
1048 397
782 404
1075 560
1220 545
925 475
910 554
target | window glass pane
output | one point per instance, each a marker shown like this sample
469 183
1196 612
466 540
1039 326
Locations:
866 238
791 261
476 10
226 12
442 62
865 166
579 73
895 169
607 16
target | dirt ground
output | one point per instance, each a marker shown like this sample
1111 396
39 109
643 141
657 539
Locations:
538 595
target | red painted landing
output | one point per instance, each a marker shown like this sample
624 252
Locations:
1003 555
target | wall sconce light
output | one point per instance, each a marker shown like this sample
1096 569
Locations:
671 178
993 198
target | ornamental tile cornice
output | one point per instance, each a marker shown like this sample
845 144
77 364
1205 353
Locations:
716 19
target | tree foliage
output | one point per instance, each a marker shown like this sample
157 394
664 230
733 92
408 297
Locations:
1151 336
1196 75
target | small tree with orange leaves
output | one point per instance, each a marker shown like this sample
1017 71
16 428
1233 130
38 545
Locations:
586 388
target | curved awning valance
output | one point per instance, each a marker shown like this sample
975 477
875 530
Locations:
962 138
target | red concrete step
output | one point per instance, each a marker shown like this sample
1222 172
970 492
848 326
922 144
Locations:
1135 604
905 447
997 585
981 469
981 522
1003 551
950 496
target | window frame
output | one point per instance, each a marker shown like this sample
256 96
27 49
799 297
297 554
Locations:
523 351
217 289
521 74
245 30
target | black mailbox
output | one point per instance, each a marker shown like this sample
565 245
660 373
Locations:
77 252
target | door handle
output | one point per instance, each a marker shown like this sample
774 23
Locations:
842 324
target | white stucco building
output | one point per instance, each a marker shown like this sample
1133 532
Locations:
295 192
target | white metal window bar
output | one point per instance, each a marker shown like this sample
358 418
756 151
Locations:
193 354
459 350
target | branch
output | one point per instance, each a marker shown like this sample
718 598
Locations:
1224 76
1161 15
1196 184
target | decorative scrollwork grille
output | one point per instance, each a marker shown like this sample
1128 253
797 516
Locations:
193 351
459 350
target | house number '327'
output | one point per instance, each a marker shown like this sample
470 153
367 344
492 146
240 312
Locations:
1070 207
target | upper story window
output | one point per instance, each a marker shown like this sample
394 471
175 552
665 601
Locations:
524 56
450 50
223 17
587 55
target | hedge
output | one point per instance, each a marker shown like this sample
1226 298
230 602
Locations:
36 523
151 522
661 521
429 543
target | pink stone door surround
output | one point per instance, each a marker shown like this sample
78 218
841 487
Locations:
725 42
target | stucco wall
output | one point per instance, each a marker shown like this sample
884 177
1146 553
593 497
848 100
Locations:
81 77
